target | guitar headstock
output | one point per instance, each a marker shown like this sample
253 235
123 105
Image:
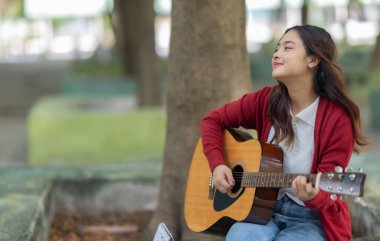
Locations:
348 184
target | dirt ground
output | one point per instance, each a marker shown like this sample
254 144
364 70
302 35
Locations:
126 226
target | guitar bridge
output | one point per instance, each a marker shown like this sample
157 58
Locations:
211 188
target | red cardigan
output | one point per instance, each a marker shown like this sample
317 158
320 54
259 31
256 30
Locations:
333 145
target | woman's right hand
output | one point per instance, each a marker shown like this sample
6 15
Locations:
223 179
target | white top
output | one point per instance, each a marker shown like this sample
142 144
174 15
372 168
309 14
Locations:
299 158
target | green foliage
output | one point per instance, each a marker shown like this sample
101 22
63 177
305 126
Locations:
368 161
12 8
112 67
374 80
354 62
361 92
93 67
60 133
58 21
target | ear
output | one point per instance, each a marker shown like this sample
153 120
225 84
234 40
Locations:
313 61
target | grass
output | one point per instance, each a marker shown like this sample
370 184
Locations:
59 133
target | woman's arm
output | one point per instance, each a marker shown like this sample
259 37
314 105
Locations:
247 112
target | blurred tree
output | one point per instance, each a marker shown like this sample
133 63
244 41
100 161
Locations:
305 12
281 12
375 59
354 8
208 66
4 6
11 8
134 33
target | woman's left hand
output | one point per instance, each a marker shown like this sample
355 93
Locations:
303 190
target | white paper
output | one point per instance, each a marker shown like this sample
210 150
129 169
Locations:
162 233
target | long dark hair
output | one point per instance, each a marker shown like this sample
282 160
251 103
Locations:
328 82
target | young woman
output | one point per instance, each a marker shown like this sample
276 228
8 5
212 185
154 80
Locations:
310 115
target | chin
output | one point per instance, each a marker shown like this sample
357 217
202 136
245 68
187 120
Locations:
276 76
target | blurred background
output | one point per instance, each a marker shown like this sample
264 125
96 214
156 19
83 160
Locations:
84 81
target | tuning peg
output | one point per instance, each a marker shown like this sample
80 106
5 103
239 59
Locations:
361 170
352 177
349 169
357 200
338 169
344 198
333 197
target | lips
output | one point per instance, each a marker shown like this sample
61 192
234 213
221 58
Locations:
276 64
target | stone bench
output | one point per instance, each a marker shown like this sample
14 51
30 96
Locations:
26 200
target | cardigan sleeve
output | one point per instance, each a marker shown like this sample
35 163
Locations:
246 112
337 143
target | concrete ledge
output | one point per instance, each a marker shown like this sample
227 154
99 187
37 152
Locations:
26 193
367 239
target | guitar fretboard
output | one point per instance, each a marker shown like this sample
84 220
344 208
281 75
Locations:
271 179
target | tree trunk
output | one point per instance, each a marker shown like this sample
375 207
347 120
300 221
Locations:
134 32
125 20
148 74
375 60
208 66
305 12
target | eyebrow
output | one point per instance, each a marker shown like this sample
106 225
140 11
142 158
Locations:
286 42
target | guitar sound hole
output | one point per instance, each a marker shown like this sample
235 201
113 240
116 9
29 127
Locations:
237 173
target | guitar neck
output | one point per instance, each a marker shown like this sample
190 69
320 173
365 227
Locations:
272 179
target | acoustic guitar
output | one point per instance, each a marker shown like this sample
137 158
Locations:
257 170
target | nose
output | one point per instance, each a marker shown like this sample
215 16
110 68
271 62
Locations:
275 55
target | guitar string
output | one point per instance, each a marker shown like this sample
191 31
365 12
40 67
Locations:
270 179
274 174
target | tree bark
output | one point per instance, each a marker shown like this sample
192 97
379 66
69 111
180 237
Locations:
124 22
208 66
134 32
375 59
305 12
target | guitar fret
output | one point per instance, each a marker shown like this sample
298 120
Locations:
260 180
272 179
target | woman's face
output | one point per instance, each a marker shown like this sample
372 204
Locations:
289 60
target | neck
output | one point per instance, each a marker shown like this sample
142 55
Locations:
273 179
301 94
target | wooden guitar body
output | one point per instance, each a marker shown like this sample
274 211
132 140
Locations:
254 205
257 170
